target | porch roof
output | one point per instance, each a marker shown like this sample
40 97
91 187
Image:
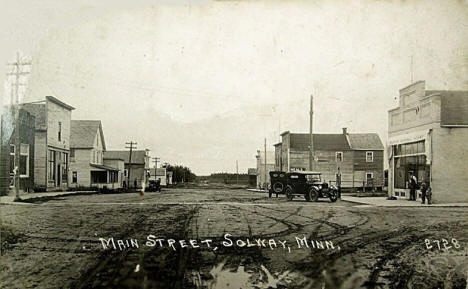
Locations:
103 167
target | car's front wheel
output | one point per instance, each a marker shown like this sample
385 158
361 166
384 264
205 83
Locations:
289 193
313 195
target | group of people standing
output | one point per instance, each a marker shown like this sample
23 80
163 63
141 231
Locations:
426 191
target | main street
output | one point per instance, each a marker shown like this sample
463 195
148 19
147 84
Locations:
228 238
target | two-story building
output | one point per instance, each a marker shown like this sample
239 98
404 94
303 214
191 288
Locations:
8 154
52 142
358 158
138 171
88 166
427 135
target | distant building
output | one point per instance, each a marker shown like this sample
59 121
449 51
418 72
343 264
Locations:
427 135
357 157
52 142
252 172
88 166
139 168
263 177
159 174
8 149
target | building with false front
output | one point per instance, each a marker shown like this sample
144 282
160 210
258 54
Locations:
8 151
139 167
427 136
52 142
88 167
358 158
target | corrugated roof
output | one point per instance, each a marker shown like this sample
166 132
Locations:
335 142
83 133
365 141
138 156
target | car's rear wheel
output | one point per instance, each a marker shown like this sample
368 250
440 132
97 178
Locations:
313 195
333 195
289 193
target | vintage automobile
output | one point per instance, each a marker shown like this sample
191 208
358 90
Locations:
154 186
277 183
308 185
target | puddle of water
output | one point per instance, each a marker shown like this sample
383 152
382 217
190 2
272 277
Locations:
258 278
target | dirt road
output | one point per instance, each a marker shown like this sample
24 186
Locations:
204 238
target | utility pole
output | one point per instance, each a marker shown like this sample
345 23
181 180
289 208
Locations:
18 64
265 160
311 142
155 161
237 172
130 145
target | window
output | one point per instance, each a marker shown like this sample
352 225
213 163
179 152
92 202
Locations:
125 172
369 179
59 136
74 177
12 166
72 153
51 166
369 157
24 160
339 156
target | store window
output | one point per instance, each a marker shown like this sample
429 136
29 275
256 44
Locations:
51 165
24 160
410 158
74 177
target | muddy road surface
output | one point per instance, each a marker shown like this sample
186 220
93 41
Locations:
227 238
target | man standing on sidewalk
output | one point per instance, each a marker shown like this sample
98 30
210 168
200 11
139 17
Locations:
413 183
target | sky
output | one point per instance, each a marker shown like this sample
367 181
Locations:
202 84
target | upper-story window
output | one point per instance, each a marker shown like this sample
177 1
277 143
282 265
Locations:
339 156
369 157
59 131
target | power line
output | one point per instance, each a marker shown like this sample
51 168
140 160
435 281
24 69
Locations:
18 65
130 145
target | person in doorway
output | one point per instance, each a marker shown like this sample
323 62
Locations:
413 183
429 195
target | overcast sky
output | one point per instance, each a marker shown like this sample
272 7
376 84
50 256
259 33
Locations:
202 84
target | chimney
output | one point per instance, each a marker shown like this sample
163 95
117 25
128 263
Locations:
345 131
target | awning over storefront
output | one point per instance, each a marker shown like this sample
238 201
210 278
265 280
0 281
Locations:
408 137
103 167
423 135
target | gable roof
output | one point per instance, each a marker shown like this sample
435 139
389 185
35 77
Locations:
365 141
138 156
83 133
335 142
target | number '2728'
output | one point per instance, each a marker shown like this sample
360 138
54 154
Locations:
442 244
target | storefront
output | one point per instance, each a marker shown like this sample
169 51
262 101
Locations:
409 153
